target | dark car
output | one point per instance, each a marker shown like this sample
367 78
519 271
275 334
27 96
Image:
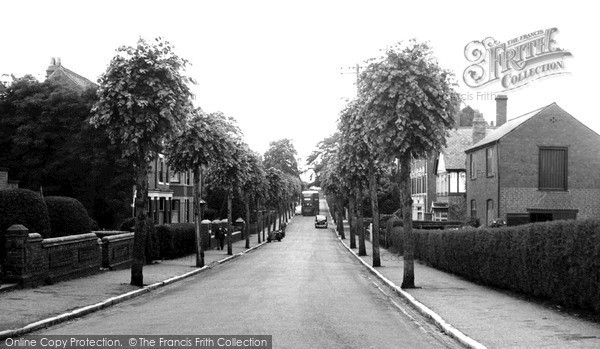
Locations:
320 221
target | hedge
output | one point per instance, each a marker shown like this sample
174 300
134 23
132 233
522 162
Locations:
176 240
557 260
26 207
67 216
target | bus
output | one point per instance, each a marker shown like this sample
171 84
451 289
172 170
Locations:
310 203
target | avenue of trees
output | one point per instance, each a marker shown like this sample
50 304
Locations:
405 106
98 145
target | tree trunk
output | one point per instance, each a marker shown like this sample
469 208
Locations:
375 207
247 223
141 227
352 220
340 217
229 225
198 216
408 280
259 223
360 226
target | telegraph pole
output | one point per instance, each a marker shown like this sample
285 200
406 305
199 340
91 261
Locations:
348 70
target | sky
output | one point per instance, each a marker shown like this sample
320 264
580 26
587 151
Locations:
276 66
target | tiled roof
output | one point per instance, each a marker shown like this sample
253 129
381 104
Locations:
457 141
64 75
508 127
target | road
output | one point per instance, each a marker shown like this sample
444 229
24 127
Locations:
306 291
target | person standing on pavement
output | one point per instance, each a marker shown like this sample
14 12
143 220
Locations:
221 238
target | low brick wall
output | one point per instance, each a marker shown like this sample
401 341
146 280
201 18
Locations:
31 260
71 256
117 250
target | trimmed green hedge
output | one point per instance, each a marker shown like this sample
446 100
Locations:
26 207
176 240
67 216
557 260
153 250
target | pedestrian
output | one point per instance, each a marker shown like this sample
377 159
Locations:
221 237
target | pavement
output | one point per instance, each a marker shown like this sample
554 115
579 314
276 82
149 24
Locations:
482 317
477 316
26 310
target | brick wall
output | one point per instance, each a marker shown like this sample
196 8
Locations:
517 155
483 188
31 260
71 256
117 250
518 200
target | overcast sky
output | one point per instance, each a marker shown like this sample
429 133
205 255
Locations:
276 66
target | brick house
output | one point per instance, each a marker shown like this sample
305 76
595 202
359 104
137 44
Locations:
439 181
540 166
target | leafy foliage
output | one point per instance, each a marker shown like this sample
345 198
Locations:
143 98
22 206
409 101
67 216
282 156
46 142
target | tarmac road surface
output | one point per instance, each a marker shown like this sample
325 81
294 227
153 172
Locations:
306 291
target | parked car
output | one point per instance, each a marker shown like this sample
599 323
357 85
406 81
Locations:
321 221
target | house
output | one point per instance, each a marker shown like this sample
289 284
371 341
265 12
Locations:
439 181
67 78
5 183
170 193
539 166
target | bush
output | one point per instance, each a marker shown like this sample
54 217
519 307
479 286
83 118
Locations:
22 206
555 260
67 216
128 225
176 240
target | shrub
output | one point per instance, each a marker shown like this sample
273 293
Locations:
22 206
176 240
67 216
555 260
128 224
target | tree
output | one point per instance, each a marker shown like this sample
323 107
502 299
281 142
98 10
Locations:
410 106
282 156
143 101
255 189
353 154
47 142
204 141
230 173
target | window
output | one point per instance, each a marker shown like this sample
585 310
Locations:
489 162
489 212
161 170
472 170
175 205
453 176
462 182
175 177
553 169
473 209
187 177
161 204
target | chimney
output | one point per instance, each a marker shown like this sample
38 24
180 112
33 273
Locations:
501 110
54 64
478 128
